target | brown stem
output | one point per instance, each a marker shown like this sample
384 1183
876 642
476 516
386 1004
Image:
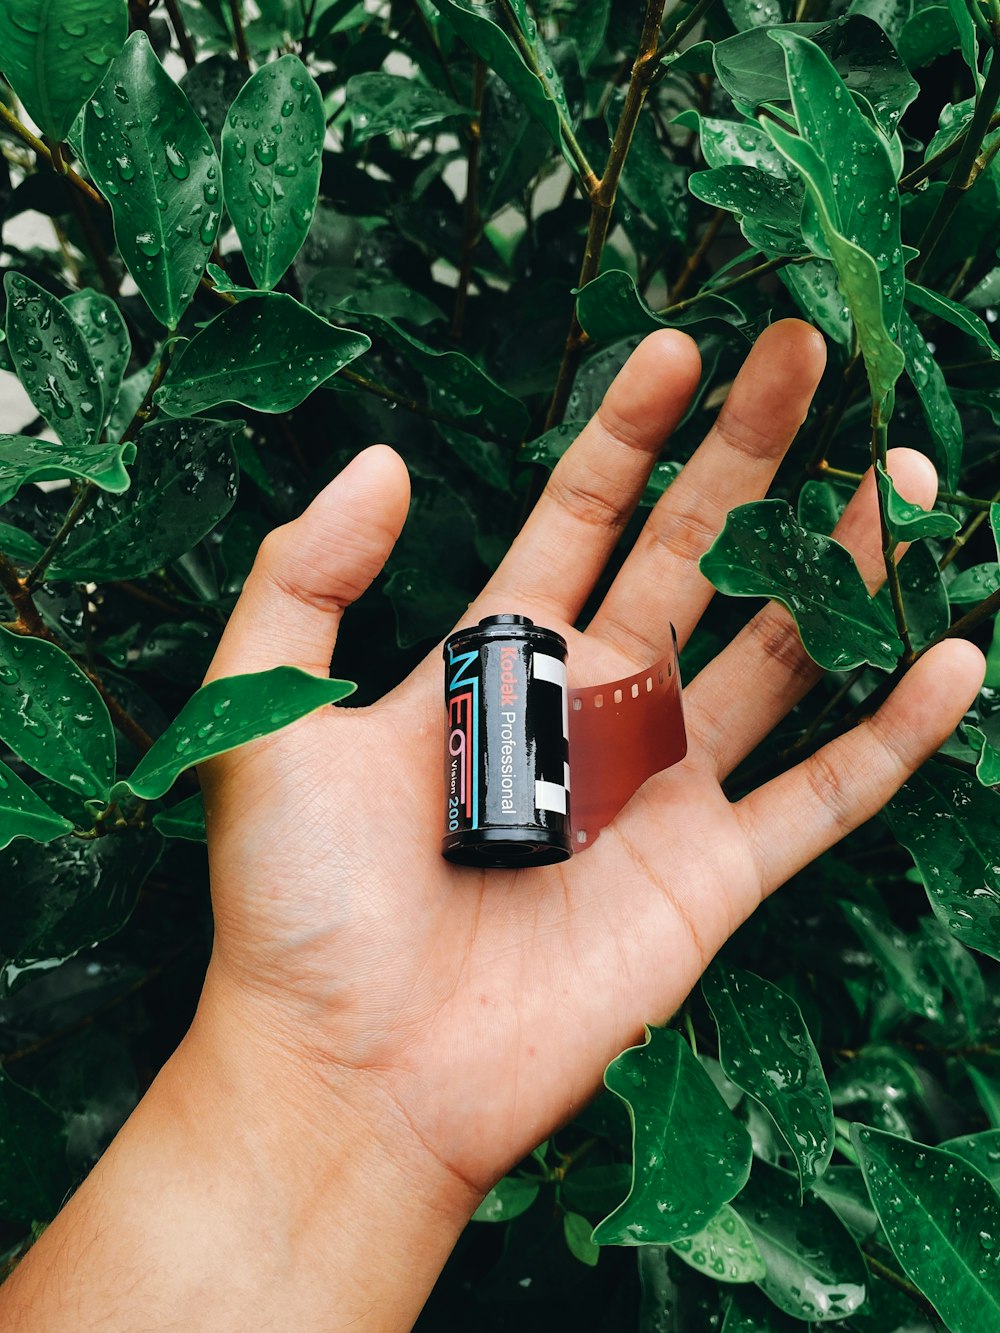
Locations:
890 1275
239 36
602 199
973 526
759 271
42 150
105 270
181 33
920 174
946 497
473 226
682 29
694 259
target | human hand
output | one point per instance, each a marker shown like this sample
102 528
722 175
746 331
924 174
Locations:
475 1011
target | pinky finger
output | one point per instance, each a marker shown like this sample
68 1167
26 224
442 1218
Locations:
799 815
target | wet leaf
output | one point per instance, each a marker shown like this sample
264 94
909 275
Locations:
23 814
152 159
980 1150
508 1198
974 584
184 482
908 522
19 547
942 307
724 1250
269 352
272 157
53 717
211 87
577 1231
70 895
942 1219
987 1091
185 820
765 1049
929 33
23 460
596 1190
852 213
814 286
726 143
332 291
55 54
106 335
901 958
54 363
763 551
610 308
890 15
842 1188
814 1268
768 208
950 824
689 1154
228 713
958 970
34 1175
939 409
753 13
378 103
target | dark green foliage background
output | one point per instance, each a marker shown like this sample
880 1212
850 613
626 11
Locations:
383 235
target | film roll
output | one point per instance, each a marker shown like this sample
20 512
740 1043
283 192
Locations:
533 769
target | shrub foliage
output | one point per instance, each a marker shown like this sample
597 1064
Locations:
247 239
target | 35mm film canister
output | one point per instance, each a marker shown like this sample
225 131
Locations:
507 750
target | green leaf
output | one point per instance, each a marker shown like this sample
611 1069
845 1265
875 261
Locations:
482 27
890 15
845 164
71 894
966 28
651 181
814 286
53 363
980 1150
19 547
185 820
880 1085
34 1175
768 208
577 1231
23 459
211 86
988 1093
106 335
145 147
942 307
726 143
724 1250
508 1198
272 157
332 291
610 308
930 33
53 717
814 1268
228 713
378 103
23 814
942 1219
55 53
907 970
974 584
939 410
763 551
689 1154
185 481
842 1188
907 522
268 352
753 13
958 970
595 1190
950 825
753 72
765 1049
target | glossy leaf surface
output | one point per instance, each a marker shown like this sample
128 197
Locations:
184 482
107 338
908 522
271 162
763 551
55 53
378 103
765 1049
814 1268
689 1156
907 971
25 815
958 316
53 717
507 1199
268 352
940 412
184 820
54 363
724 1249
942 1219
34 1174
23 459
610 308
143 144
227 713
767 207
980 1150
950 824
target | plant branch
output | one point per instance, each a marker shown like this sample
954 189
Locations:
879 451
602 198
693 261
682 29
473 226
946 497
901 1283
968 531
239 36
181 33
965 169
8 119
759 271
588 178
414 405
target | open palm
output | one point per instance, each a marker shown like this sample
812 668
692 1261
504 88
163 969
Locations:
479 1007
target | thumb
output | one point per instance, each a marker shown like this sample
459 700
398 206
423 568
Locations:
308 571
